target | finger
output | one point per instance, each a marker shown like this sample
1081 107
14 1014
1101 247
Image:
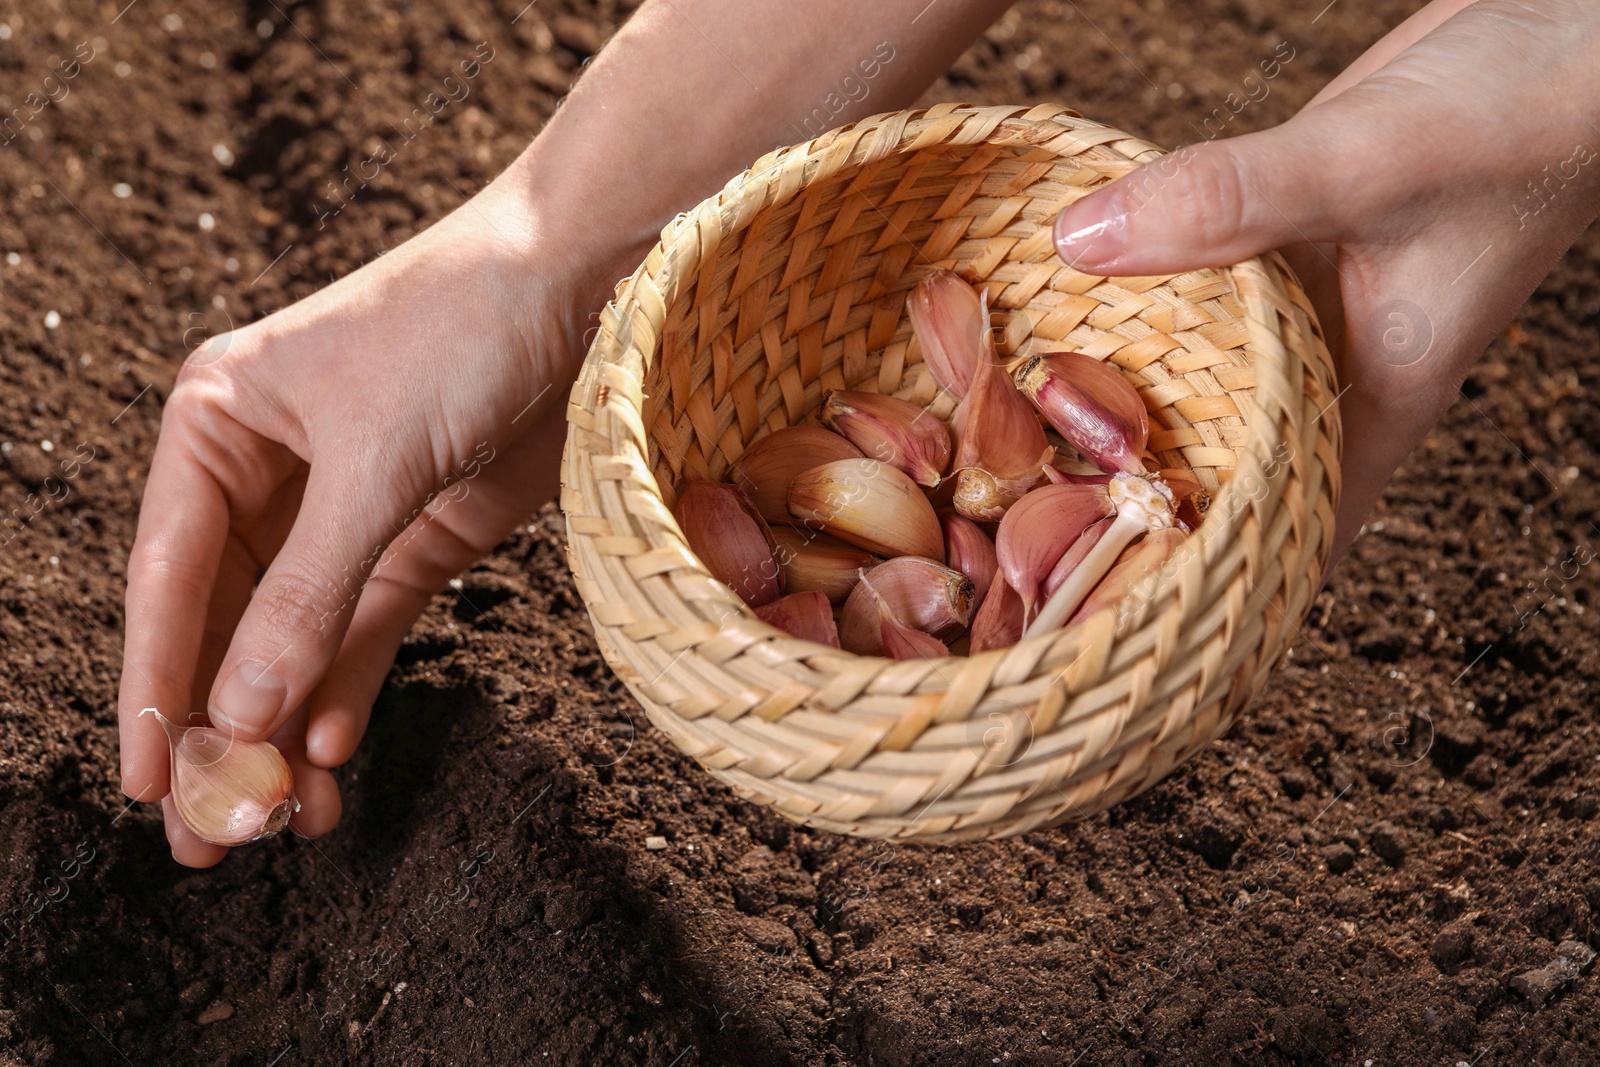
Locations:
187 848
183 523
1212 205
342 704
315 789
297 618
256 543
230 595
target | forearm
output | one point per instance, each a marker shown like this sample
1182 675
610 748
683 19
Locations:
690 92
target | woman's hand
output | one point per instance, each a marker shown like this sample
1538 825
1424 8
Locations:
369 442
361 446
1421 197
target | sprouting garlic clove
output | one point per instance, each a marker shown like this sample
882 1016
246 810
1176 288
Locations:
870 504
921 593
228 791
1001 448
1141 506
1074 556
1092 405
1040 529
807 616
893 430
902 642
731 539
770 464
998 623
812 561
949 319
968 549
1132 578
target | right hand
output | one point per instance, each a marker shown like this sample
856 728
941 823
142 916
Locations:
1421 197
308 444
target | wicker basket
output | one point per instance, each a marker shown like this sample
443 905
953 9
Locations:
792 281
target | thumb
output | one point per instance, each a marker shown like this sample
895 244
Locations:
1209 205
297 617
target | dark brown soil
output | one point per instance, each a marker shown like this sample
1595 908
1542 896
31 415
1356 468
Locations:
1358 874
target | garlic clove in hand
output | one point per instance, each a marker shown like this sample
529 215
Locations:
228 791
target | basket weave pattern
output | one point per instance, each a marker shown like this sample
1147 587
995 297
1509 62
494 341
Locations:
792 281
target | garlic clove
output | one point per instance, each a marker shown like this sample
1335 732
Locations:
1040 529
998 623
968 549
1132 574
921 593
902 642
771 462
807 616
1074 556
731 539
870 504
890 429
1092 405
809 560
1056 476
1001 448
228 791
948 319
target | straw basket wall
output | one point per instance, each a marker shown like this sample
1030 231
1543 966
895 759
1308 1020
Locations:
792 281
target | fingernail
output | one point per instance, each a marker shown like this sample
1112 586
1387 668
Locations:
250 701
1094 231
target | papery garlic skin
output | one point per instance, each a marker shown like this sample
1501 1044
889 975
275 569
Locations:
228 791
870 504
731 539
890 429
1090 404
770 464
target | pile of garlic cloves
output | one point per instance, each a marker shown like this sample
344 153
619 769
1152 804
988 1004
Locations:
887 531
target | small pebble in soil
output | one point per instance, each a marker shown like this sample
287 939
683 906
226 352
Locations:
13 258
206 222
655 844
52 319
122 190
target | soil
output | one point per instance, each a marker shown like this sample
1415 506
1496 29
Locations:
1390 860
